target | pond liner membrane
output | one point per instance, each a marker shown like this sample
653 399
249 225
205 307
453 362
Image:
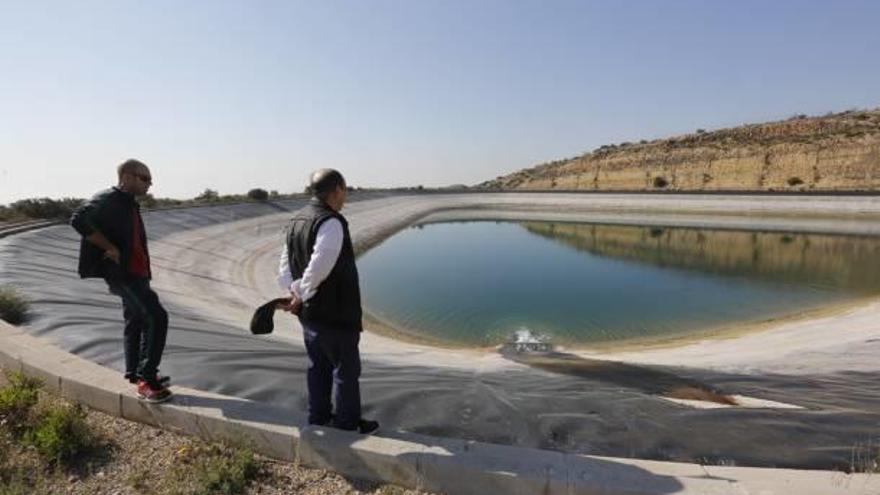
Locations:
555 401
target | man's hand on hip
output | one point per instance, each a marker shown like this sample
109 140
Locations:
113 254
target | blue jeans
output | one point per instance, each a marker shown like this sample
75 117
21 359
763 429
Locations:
334 359
146 326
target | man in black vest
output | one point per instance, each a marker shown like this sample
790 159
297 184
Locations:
318 268
114 247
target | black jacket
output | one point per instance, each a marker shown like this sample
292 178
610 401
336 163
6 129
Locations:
110 212
337 302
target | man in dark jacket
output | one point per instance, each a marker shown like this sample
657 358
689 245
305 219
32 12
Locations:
317 266
114 247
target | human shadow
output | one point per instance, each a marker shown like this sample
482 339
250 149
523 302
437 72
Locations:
646 379
242 409
427 462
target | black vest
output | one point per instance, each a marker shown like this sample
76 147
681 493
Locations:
337 303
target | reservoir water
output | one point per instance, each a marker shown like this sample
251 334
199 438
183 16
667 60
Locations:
483 283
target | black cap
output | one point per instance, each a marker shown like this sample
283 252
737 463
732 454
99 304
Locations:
261 322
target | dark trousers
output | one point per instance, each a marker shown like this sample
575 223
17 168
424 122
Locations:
334 359
146 326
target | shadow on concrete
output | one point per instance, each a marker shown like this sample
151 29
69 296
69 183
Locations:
243 410
464 467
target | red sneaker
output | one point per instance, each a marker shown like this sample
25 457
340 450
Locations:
163 380
153 393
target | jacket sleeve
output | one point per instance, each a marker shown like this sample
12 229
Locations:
85 219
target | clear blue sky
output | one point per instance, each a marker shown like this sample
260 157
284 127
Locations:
236 95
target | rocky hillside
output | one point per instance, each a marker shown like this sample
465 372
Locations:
836 152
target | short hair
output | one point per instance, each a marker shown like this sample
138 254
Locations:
130 166
324 181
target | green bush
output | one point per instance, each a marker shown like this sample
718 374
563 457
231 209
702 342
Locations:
62 433
13 306
17 399
54 209
660 182
258 194
7 214
208 195
217 469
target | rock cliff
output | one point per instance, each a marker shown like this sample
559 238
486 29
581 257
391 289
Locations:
837 152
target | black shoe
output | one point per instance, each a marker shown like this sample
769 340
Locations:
367 427
364 426
326 422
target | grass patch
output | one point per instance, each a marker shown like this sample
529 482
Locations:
17 400
58 432
215 469
13 306
61 433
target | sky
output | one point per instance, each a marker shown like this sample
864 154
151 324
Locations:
238 95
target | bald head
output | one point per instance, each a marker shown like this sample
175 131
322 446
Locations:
324 181
328 185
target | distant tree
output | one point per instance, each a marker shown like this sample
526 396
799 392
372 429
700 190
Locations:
258 194
45 207
208 195
794 181
148 201
273 194
701 131
660 182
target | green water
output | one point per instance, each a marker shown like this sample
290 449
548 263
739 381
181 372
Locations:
479 283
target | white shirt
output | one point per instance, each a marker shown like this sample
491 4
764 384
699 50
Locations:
328 244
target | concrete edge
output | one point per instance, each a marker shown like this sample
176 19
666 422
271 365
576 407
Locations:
411 460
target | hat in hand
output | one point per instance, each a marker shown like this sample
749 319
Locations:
261 322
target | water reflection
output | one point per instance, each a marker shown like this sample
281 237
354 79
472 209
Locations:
843 262
483 283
